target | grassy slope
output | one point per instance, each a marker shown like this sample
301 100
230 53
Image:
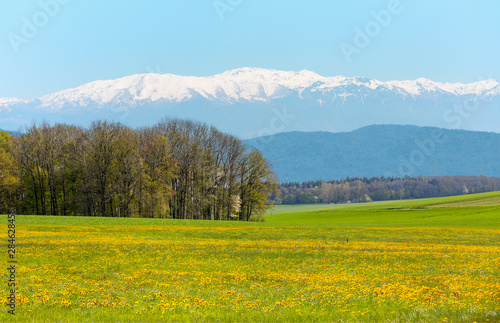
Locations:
410 213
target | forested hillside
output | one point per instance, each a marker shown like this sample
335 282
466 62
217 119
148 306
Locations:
175 169
380 150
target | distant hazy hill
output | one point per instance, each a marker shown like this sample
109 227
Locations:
381 150
15 133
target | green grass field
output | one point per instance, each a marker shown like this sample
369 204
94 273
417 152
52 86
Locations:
399 261
469 211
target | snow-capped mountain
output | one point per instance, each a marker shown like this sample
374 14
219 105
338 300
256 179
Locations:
255 101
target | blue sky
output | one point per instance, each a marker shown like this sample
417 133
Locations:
74 42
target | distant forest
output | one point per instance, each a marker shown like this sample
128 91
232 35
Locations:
176 169
381 189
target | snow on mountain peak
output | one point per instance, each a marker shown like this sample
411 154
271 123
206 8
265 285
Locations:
423 80
247 84
248 75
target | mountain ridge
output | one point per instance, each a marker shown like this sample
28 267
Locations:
251 102
227 87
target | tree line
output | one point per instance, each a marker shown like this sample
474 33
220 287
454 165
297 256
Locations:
381 189
176 169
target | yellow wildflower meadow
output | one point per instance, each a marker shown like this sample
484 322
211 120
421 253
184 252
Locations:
255 273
